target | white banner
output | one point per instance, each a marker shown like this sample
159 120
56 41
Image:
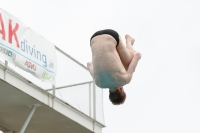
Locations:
26 49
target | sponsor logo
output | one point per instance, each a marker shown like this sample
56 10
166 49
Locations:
8 53
30 65
46 76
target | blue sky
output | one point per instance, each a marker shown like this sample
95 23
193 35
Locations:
163 95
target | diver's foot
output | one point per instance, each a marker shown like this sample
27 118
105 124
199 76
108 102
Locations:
129 39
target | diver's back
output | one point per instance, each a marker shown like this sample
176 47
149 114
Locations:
106 61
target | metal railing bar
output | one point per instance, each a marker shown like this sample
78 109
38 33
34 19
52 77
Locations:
90 101
71 58
66 86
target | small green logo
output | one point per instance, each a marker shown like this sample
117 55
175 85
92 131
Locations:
46 76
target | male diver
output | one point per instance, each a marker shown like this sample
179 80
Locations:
113 63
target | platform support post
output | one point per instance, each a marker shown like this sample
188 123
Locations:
5 70
28 118
94 105
90 101
54 95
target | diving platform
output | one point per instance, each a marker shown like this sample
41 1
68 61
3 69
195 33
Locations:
28 105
